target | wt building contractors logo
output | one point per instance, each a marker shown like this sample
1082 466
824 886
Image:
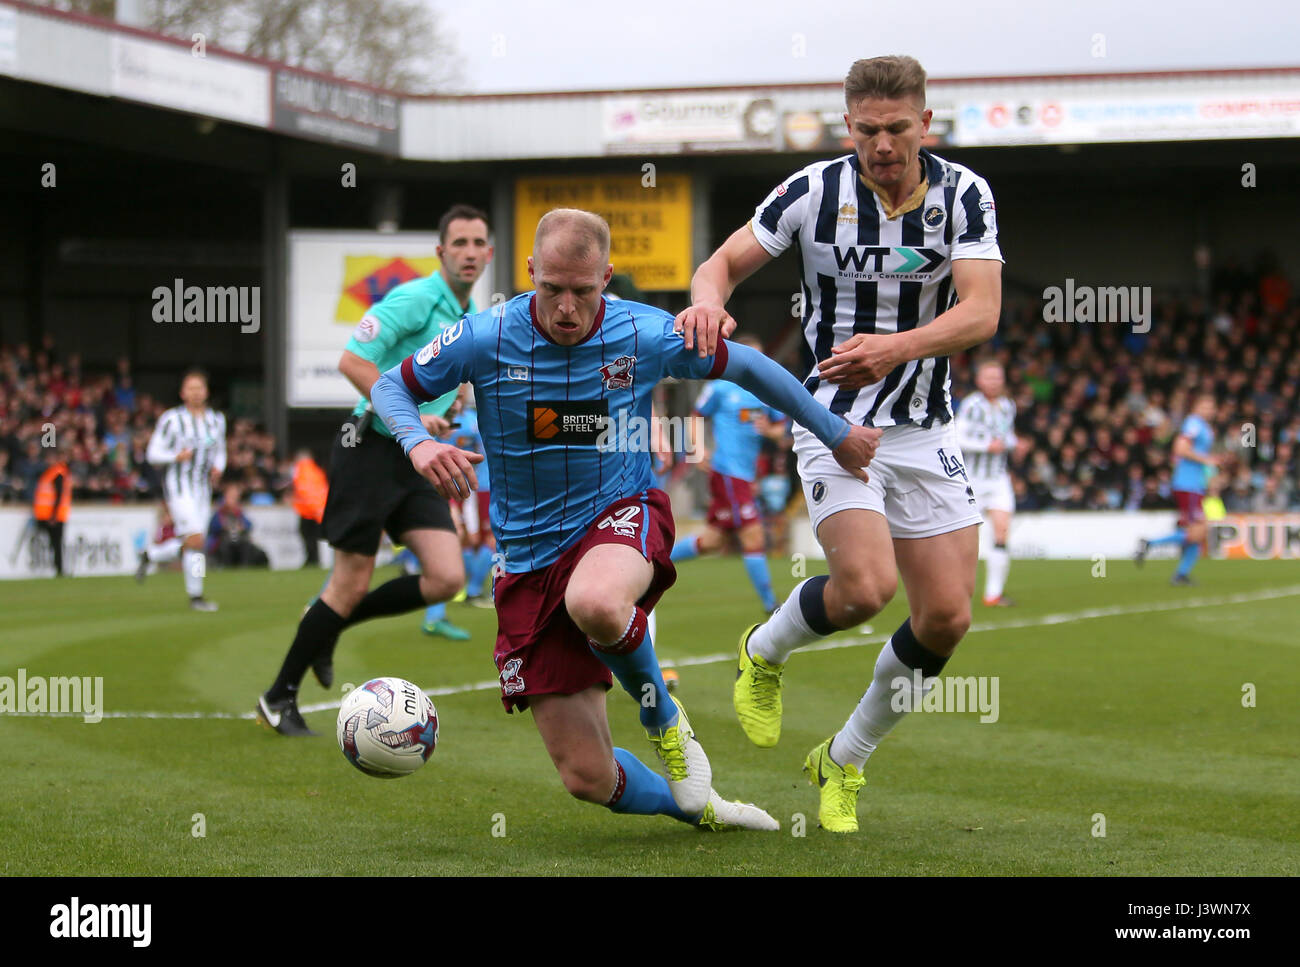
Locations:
104 921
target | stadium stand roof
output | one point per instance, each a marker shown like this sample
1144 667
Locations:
107 59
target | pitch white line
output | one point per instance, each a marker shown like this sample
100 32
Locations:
852 641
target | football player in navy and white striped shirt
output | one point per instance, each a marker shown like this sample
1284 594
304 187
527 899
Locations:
986 431
190 442
900 268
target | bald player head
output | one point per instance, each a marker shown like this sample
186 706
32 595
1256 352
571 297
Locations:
570 269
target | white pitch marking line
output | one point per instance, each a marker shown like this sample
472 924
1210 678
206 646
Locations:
854 641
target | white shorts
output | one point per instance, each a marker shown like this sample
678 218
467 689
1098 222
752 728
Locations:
995 493
917 481
191 512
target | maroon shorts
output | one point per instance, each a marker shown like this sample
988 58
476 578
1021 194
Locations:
539 650
1190 510
731 504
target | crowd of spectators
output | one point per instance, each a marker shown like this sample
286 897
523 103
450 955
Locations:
1099 405
102 424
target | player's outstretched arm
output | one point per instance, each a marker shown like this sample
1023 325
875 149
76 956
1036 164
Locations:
852 446
706 320
448 468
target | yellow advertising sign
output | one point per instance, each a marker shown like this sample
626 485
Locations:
650 227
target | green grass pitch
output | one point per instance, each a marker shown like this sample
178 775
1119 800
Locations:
1118 695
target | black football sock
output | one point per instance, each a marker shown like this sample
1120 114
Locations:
318 630
397 596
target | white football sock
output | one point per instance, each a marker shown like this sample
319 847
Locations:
195 565
777 637
995 572
877 712
168 550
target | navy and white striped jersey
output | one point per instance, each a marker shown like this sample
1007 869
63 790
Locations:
863 272
980 421
178 429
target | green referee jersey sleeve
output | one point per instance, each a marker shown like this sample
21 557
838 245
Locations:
408 318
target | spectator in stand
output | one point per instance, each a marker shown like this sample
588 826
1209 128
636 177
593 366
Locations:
1272 498
230 534
10 490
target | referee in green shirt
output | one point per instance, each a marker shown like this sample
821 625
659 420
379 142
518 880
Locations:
373 487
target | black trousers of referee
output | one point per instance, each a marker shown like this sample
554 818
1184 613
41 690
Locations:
310 532
53 530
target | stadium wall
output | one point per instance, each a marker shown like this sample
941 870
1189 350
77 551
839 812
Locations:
106 540
103 541
1097 536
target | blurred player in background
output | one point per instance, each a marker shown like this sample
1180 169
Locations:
738 421
585 539
190 443
1193 467
372 487
480 545
986 432
435 621
901 268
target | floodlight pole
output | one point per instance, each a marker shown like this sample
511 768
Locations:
275 266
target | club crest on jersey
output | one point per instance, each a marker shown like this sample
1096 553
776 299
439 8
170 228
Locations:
619 373
518 373
952 465
933 216
818 491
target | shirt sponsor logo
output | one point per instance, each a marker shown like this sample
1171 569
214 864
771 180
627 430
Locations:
867 262
567 422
